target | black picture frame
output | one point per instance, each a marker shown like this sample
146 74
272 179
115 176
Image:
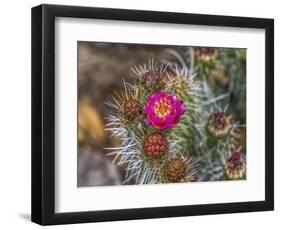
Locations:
43 114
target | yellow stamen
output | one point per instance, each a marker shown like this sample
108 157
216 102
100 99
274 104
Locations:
163 108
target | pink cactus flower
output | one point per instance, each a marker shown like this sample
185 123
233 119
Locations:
163 110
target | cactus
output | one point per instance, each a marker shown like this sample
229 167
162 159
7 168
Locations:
175 126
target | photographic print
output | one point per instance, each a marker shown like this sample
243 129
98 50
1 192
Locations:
131 103
155 114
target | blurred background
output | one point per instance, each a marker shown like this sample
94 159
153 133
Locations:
101 68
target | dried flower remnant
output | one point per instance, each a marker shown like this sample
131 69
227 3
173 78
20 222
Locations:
235 166
155 146
164 110
219 124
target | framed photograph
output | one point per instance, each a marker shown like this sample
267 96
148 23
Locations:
142 114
